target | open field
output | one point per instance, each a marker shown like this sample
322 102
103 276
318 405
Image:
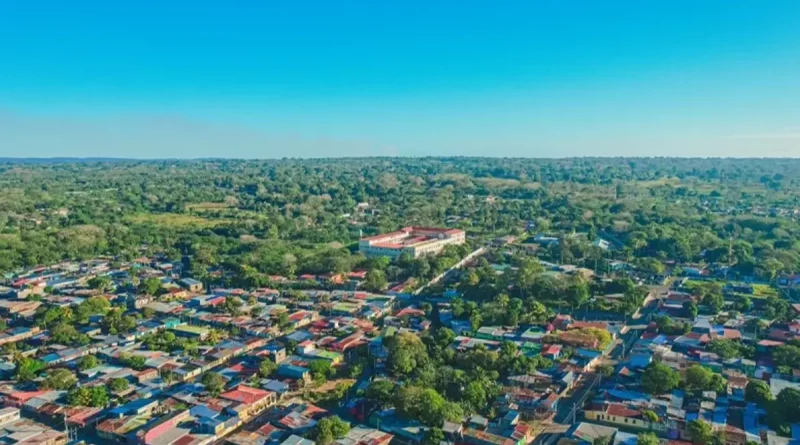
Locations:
174 220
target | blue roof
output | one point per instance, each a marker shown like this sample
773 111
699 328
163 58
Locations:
49 358
133 406
627 395
203 411
299 336
276 386
587 353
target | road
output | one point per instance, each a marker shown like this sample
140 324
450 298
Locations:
570 406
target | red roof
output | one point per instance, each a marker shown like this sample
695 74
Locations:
620 410
184 440
246 394
551 350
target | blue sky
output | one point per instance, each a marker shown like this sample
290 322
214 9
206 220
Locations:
265 79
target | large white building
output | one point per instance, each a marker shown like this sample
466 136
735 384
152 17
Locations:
415 241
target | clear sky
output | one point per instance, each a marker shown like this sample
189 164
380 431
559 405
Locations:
267 78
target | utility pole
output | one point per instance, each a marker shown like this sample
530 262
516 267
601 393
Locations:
574 411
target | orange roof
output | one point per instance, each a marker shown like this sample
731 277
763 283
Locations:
615 409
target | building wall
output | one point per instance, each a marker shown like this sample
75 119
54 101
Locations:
641 424
432 246
10 416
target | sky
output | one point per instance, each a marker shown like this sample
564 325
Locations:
312 78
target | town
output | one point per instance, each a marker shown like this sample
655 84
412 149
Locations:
140 352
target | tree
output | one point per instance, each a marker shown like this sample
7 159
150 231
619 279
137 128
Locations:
700 432
434 437
103 283
787 355
650 416
647 439
758 391
95 396
233 306
788 401
659 378
118 384
691 309
28 369
133 361
699 378
725 348
380 392
602 440
375 281
321 370
213 382
88 362
59 379
266 367
474 395
406 353
329 429
605 370
150 286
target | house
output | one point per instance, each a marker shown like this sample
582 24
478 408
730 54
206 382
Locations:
362 435
623 416
196 332
297 440
587 433
192 285
553 352
294 372
252 401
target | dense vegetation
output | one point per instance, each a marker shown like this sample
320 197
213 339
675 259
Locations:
252 219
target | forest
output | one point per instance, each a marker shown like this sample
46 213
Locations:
242 221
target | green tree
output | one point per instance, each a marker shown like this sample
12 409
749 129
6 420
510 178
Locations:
103 283
474 396
650 416
700 432
434 437
659 378
266 367
406 353
788 401
698 378
213 382
59 379
28 369
329 429
321 370
375 281
88 362
95 396
118 384
150 286
380 392
758 391
647 439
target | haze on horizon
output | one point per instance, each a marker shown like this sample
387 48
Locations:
272 79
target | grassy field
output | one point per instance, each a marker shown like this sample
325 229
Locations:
175 220
764 290
200 206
